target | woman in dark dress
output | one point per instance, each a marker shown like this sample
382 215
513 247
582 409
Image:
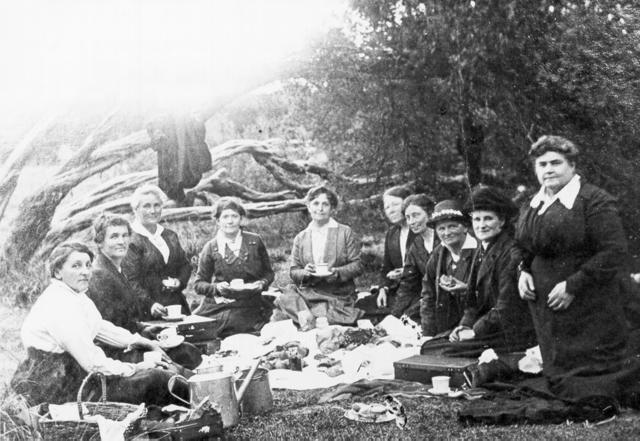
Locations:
114 297
155 264
416 208
397 241
574 253
60 334
494 314
443 303
234 254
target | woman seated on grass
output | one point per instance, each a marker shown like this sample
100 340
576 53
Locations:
416 208
443 288
324 261
116 299
59 334
234 254
396 242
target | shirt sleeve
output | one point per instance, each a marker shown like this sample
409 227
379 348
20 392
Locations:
114 335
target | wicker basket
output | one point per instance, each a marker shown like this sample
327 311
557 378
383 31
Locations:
88 430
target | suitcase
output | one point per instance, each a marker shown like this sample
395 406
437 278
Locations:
197 330
422 367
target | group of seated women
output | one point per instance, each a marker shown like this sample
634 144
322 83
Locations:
455 268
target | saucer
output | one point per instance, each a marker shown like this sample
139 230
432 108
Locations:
171 342
432 391
177 318
322 274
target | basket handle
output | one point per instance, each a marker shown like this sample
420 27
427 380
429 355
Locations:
103 384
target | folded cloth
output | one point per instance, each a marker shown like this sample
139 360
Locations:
370 388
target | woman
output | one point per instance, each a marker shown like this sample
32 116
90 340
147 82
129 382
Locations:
234 254
59 334
416 208
324 261
443 288
113 295
396 242
574 253
494 316
155 264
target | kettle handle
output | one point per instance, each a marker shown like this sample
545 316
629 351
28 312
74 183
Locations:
245 383
171 383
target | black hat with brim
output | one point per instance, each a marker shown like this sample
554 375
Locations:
491 199
448 210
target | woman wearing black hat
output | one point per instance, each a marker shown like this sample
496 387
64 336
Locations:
494 315
443 287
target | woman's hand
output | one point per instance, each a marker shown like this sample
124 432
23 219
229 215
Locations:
559 299
309 269
157 310
223 288
151 345
381 301
394 274
258 285
461 333
526 288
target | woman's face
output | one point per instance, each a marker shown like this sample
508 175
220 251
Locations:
451 233
229 222
149 209
75 271
393 209
116 242
320 208
554 171
486 224
416 218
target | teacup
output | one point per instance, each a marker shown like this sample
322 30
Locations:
322 268
168 334
152 357
174 311
440 383
236 284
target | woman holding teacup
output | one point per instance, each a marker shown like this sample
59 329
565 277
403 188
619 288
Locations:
116 299
155 264
443 287
233 271
324 261
59 334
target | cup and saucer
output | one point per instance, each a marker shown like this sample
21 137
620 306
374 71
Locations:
237 285
440 385
169 338
174 313
322 270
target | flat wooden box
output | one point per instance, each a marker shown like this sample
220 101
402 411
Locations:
194 328
422 367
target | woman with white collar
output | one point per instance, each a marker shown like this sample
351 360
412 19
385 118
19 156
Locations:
155 264
575 249
325 260
234 254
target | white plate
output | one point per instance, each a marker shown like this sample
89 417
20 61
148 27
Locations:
376 418
173 319
432 391
322 274
171 343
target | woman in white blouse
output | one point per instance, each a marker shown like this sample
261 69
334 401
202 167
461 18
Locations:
59 334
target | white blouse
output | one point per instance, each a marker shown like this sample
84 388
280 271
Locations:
63 320
156 238
319 239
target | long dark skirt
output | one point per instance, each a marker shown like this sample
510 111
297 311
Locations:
239 317
46 377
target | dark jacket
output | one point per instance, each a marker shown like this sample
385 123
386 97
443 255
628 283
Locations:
113 295
493 302
144 268
255 265
440 310
408 295
342 253
392 258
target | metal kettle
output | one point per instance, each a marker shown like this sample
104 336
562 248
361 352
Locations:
220 387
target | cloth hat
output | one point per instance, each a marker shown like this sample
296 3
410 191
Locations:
491 199
448 209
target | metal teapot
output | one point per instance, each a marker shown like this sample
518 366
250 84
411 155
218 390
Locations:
220 387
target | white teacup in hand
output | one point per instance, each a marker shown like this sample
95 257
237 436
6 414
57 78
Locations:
174 310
